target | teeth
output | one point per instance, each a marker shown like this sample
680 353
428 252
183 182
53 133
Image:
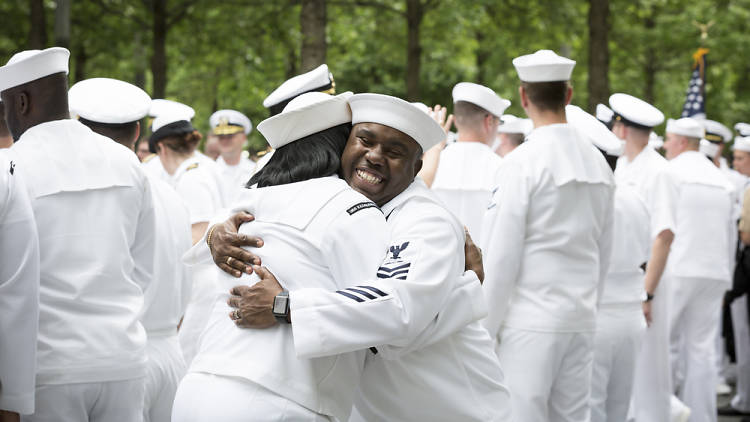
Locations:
369 178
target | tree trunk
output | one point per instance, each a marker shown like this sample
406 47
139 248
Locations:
159 57
313 26
598 83
483 53
139 58
38 27
649 67
62 23
80 58
414 14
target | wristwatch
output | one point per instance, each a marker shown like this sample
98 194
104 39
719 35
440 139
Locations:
281 307
649 297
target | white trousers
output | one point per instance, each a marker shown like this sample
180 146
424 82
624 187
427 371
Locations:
652 386
741 401
164 370
694 319
619 331
548 374
202 299
119 401
208 398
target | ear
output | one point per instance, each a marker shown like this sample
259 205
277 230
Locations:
137 132
22 103
524 98
568 95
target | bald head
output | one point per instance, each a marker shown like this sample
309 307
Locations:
39 101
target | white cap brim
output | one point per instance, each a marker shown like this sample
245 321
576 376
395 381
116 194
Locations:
31 65
481 96
105 100
592 128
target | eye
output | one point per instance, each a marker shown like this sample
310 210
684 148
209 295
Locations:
364 141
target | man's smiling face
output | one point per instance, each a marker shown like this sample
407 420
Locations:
380 162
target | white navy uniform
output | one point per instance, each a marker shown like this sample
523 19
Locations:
166 300
19 291
415 283
153 167
235 177
317 233
620 323
94 213
652 388
198 183
699 270
547 244
464 181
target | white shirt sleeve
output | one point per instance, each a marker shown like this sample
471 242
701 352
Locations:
503 239
197 195
144 244
605 245
19 295
412 285
662 202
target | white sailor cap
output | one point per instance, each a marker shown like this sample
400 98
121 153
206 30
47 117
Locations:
594 130
397 114
513 124
543 66
708 148
316 80
423 107
686 126
105 100
741 143
635 112
655 141
481 96
229 122
30 65
604 113
716 132
309 113
743 129
168 124
172 108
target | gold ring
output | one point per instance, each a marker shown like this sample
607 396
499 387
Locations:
229 261
237 315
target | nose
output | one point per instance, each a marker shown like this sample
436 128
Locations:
374 156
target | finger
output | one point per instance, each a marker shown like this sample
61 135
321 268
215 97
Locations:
245 240
238 290
229 270
236 264
237 219
448 123
262 272
234 301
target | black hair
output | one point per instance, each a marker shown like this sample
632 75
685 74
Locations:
122 133
316 155
547 96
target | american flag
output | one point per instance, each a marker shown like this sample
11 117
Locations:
695 98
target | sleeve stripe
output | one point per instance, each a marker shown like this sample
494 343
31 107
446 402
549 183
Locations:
362 292
388 270
374 290
350 296
404 271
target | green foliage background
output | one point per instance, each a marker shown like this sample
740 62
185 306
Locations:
231 54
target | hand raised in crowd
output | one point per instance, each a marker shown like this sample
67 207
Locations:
440 114
226 244
253 304
473 257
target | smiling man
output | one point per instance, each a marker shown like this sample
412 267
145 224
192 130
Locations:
418 313
232 127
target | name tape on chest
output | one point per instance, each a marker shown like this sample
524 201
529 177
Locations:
361 206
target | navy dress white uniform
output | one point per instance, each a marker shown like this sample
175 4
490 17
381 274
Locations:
414 286
235 176
652 387
19 292
698 265
620 324
466 172
94 214
317 233
167 296
547 244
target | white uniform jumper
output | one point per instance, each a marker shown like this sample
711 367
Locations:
316 233
547 244
19 292
235 177
166 300
699 272
94 213
620 324
198 183
464 181
652 388
419 279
